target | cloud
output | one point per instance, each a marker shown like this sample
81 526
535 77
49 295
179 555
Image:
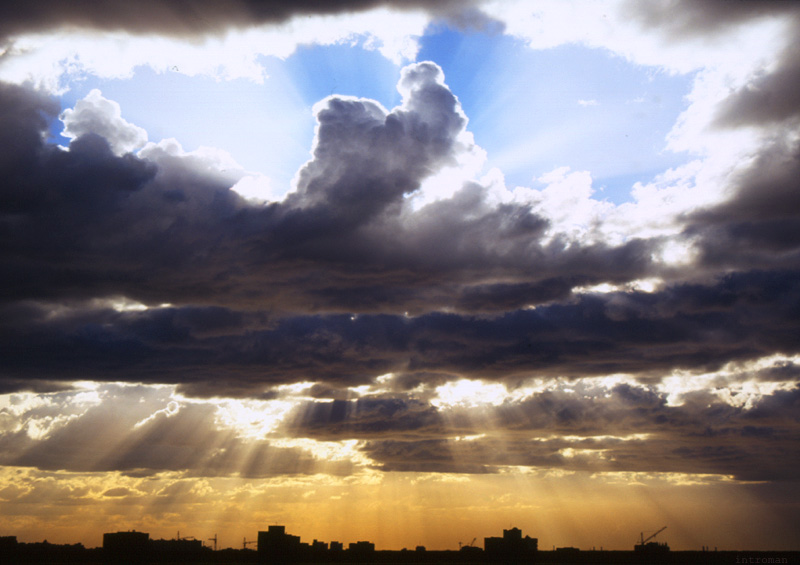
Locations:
345 278
366 417
106 436
768 97
146 267
574 426
683 18
189 239
219 352
169 17
756 227
98 115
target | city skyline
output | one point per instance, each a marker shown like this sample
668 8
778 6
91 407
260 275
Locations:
401 270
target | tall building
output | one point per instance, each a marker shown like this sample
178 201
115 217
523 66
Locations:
275 545
131 545
512 547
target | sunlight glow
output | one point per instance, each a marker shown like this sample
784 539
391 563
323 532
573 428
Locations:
39 415
602 437
469 393
347 450
677 252
252 419
735 384
652 479
473 437
50 60
648 285
380 385
571 453
257 419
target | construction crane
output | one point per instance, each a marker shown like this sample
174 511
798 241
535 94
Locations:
214 539
644 541
245 543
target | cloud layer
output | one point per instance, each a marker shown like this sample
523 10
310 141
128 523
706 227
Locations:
128 261
176 18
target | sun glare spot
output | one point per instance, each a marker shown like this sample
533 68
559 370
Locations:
648 285
571 453
474 437
362 390
252 419
468 393
124 304
676 253
629 437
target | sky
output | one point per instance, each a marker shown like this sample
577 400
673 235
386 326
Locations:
401 271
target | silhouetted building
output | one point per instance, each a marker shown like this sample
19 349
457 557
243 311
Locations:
276 545
132 541
361 547
471 552
176 548
652 549
130 546
8 548
512 547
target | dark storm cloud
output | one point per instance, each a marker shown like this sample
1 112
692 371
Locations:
164 227
559 429
317 287
686 18
759 226
200 17
215 351
768 97
366 417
